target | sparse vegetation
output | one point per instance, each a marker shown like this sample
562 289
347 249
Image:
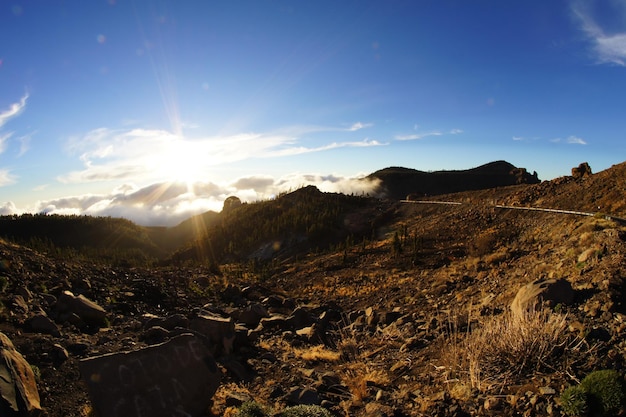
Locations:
503 347
305 411
386 286
252 409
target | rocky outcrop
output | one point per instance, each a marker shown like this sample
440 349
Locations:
581 171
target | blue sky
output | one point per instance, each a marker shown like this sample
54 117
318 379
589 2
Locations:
156 110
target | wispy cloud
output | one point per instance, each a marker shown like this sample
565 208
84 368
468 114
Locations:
14 110
607 48
142 154
6 178
422 135
575 140
570 140
4 139
359 126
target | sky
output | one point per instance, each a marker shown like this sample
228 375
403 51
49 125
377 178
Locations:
155 110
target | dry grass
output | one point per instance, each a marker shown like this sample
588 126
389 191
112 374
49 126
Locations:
317 353
503 347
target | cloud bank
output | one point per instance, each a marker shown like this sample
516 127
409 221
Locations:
169 203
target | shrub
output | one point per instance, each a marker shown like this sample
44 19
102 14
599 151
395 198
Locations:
305 411
574 401
504 346
605 390
599 393
252 409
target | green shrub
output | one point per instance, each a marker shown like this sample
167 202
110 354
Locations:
252 409
305 411
600 393
574 401
605 389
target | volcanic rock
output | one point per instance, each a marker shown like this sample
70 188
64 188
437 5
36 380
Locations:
18 390
553 291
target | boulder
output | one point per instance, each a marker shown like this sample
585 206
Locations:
18 389
219 331
551 291
175 378
40 323
88 311
252 315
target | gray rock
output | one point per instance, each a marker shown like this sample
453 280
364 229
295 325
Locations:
252 315
303 396
88 311
169 323
59 353
218 330
178 377
18 389
551 291
40 323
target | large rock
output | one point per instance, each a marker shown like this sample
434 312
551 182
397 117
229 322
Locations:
218 330
551 291
175 378
91 313
18 388
40 323
583 170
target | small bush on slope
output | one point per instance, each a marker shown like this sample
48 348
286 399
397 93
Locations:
600 392
504 346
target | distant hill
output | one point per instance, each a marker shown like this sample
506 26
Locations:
292 223
297 221
398 182
106 238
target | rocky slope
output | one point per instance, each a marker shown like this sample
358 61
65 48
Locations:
402 323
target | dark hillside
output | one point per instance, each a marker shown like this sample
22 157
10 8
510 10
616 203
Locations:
398 183
103 237
298 221
170 239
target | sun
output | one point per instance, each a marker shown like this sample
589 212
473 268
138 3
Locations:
185 163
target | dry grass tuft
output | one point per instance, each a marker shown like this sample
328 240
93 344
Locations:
504 346
317 353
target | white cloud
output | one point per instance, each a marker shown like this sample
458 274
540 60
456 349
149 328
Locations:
359 126
607 48
571 140
518 138
8 208
6 178
576 140
4 138
14 110
169 203
418 135
143 154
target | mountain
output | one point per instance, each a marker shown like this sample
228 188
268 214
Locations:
363 306
398 183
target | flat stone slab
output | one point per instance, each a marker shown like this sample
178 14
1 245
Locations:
173 379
